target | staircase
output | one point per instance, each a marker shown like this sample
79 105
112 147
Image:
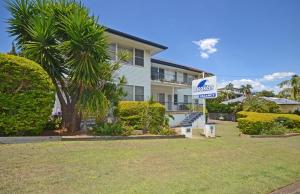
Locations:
190 118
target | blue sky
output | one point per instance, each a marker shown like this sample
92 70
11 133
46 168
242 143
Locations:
241 41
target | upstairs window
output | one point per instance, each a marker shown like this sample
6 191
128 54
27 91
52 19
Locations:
139 93
185 78
112 51
139 57
129 51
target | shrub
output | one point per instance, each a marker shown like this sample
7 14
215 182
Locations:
111 129
53 123
256 104
220 108
141 115
167 131
26 96
254 123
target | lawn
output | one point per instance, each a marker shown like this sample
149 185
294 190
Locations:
228 164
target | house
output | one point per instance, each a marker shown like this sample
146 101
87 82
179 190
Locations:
166 82
149 78
286 105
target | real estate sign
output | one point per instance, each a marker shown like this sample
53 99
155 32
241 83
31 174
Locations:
205 88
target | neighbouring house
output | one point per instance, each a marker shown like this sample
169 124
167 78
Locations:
166 82
286 105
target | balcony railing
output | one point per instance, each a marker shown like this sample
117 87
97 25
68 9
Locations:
162 77
181 106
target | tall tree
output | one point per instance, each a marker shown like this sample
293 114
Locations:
246 90
229 88
265 93
13 49
291 87
63 37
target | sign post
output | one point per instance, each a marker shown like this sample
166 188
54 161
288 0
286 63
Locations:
205 88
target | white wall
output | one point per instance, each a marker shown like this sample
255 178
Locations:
137 75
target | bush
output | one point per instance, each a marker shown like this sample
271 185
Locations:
253 123
256 104
142 115
53 123
26 96
111 129
220 108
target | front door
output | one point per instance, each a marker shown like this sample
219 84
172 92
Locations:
161 98
169 102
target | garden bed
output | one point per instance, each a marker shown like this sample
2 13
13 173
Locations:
99 138
275 136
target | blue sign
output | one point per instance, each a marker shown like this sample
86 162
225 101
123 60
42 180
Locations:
205 88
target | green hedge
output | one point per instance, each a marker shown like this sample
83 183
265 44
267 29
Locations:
142 115
257 104
254 123
26 96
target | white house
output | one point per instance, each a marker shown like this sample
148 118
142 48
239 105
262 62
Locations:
166 82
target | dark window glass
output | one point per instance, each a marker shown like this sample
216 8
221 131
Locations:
161 74
139 57
139 93
175 99
154 73
185 78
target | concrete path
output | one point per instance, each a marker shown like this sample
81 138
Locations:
290 189
12 140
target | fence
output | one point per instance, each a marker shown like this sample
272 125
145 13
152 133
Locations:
222 116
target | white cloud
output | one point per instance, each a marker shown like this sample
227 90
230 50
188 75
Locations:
256 84
207 46
277 75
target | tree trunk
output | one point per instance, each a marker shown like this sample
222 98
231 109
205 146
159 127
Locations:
71 118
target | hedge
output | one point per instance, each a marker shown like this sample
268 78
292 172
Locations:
254 123
142 115
26 96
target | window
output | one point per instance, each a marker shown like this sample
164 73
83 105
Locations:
139 93
112 51
161 98
185 99
175 76
175 99
185 78
154 73
139 57
129 92
130 53
161 74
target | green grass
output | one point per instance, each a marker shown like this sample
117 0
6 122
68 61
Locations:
228 164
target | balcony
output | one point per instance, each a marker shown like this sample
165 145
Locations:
181 106
171 78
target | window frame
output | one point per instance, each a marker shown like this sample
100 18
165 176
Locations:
139 57
135 94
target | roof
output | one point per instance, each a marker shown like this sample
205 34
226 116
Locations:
162 62
239 99
131 37
281 100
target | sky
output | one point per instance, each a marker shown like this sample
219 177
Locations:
253 42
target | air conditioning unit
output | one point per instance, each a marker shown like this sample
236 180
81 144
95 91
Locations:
210 130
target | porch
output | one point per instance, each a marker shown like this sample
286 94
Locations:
175 97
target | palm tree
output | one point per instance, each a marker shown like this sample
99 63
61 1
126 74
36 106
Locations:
71 47
291 87
229 90
246 90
